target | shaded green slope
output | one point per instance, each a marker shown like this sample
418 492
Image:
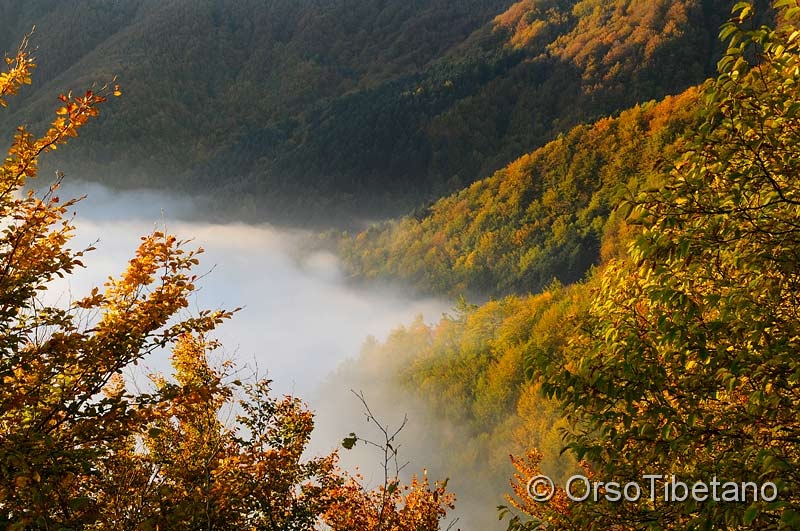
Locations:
347 109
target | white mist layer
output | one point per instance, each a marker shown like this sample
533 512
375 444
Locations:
300 319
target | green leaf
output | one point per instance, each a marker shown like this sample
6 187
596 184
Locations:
350 441
791 518
750 514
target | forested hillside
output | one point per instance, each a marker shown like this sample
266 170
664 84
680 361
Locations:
357 109
467 383
546 216
86 444
676 355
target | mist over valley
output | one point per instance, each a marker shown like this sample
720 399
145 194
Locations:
541 239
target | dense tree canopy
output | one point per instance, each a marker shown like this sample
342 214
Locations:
546 215
675 355
687 364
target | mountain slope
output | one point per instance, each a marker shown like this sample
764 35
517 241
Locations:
680 344
351 108
545 216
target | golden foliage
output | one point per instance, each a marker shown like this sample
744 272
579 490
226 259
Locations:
393 507
78 450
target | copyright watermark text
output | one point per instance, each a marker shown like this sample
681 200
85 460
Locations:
654 487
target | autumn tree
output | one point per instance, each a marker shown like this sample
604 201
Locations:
78 449
392 505
688 363
525 513
186 468
54 361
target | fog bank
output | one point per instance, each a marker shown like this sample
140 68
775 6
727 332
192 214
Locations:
300 318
